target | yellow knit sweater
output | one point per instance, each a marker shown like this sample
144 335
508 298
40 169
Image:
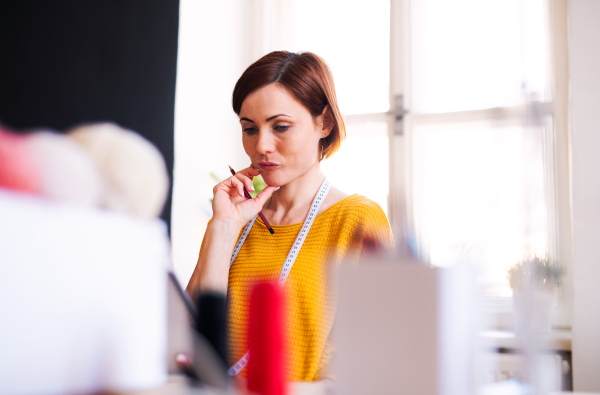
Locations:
342 231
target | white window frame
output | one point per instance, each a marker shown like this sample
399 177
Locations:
557 149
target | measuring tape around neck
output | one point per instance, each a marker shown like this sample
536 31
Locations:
289 260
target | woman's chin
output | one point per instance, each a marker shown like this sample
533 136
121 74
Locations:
272 180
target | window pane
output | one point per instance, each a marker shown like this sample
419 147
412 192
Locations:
361 165
473 54
479 195
354 39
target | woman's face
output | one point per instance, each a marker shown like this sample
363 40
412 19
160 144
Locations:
279 134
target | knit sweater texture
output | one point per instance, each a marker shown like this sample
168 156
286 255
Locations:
341 233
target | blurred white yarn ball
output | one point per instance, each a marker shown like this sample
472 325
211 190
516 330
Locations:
67 173
134 172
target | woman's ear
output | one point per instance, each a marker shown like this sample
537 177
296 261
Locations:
325 121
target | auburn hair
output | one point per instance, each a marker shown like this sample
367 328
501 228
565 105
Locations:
304 75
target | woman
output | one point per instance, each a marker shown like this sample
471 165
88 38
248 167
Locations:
290 122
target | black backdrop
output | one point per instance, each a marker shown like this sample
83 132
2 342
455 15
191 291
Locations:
63 63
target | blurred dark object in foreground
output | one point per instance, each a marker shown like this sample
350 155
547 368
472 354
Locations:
70 62
212 321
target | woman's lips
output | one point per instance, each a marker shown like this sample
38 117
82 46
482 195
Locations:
268 165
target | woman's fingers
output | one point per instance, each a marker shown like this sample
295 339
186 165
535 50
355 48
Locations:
251 207
249 172
237 183
262 197
233 186
246 180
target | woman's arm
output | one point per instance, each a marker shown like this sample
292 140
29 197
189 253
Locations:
219 239
231 211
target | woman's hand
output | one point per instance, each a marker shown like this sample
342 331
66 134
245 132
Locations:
229 203
231 211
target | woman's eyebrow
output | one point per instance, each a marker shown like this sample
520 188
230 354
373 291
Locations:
268 119
275 116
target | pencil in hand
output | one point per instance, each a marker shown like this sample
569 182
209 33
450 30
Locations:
248 196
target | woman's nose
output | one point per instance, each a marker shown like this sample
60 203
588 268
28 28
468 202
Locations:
265 143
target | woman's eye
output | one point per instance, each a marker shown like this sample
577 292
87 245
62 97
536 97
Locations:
281 128
250 130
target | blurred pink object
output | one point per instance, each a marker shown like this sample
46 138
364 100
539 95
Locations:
50 165
17 168
67 174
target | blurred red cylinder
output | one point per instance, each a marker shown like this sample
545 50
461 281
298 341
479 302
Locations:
266 368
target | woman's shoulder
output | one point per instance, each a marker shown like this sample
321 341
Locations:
359 216
358 207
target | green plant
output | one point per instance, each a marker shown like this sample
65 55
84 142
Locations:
259 184
216 178
539 272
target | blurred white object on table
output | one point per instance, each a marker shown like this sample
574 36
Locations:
82 298
405 328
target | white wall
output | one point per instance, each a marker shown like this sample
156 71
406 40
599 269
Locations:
214 49
584 55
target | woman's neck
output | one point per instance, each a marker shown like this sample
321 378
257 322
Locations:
290 204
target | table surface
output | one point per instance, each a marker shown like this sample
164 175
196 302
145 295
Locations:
180 385
555 340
